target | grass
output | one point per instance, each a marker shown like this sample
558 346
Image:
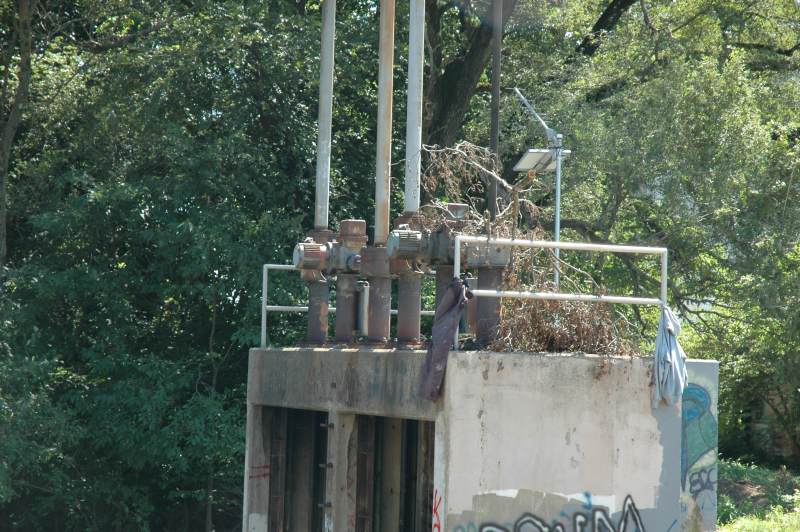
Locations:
775 521
755 498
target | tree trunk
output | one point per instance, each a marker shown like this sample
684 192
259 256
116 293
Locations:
11 124
450 87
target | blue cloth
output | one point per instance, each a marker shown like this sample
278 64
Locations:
669 371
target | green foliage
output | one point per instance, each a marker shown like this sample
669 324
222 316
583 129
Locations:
776 521
748 491
168 151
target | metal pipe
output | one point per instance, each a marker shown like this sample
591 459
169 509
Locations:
559 142
318 296
416 60
265 307
497 55
547 244
578 246
346 284
554 296
264 292
301 309
664 278
325 114
384 131
488 310
409 286
363 307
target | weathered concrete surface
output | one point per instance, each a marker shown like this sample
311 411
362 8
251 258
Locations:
699 447
528 442
378 382
550 442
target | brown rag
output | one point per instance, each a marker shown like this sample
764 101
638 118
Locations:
445 323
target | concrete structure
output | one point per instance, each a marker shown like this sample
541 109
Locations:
339 440
699 446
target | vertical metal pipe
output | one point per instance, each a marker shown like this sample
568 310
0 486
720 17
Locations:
325 114
384 133
363 308
409 306
416 60
346 284
559 151
264 292
318 312
664 280
488 307
375 266
380 308
497 39
409 282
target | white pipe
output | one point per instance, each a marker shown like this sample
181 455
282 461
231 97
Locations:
264 292
416 60
664 279
559 141
384 134
547 244
265 307
325 115
555 296
364 308
578 246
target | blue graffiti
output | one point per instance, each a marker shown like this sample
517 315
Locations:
698 430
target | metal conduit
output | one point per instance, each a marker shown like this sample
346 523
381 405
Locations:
325 115
416 59
384 132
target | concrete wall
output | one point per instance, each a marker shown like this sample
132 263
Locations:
523 442
699 447
534 442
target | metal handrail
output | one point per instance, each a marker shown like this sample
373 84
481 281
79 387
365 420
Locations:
558 296
266 307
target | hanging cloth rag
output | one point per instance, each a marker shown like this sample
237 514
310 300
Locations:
445 323
669 372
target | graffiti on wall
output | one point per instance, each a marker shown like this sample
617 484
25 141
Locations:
698 454
587 519
436 511
699 430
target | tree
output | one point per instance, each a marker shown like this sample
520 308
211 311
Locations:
19 46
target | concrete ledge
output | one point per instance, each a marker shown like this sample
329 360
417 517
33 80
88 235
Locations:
379 382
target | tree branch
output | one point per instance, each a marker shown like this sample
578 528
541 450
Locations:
605 23
767 47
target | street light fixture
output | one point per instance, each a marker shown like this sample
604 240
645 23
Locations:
547 160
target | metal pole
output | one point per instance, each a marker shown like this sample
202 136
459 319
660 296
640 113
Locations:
497 39
384 137
456 275
264 292
408 281
416 59
664 280
558 149
325 115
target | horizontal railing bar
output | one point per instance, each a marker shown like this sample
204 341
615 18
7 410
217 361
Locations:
287 308
280 266
577 246
554 296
